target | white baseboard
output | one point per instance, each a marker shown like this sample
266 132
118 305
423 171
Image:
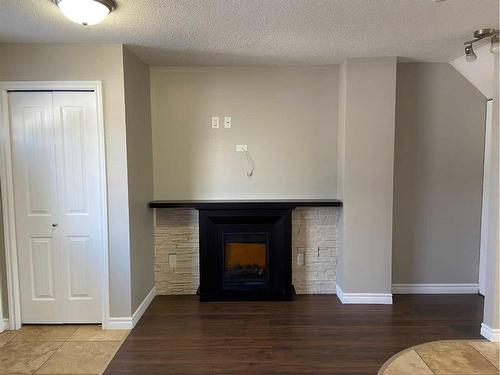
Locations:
136 316
6 324
122 322
364 298
435 288
127 322
490 333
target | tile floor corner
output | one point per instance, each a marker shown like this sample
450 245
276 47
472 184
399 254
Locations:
459 357
58 349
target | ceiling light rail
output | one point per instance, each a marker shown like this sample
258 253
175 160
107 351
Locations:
481 34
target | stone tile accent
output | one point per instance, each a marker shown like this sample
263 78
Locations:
176 233
314 233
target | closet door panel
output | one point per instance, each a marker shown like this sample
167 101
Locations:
36 206
58 204
75 119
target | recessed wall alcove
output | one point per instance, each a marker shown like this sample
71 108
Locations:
314 243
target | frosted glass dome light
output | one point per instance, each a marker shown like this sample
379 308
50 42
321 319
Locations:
86 12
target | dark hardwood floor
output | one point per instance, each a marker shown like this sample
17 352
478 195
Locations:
310 335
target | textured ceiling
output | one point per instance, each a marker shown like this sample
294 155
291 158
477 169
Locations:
262 32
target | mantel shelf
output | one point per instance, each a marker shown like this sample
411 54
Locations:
271 204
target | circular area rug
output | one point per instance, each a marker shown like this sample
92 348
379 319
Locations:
446 357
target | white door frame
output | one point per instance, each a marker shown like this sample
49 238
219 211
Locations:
7 191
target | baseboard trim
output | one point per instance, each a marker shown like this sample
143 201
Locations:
130 322
435 288
119 323
490 333
136 316
6 324
364 298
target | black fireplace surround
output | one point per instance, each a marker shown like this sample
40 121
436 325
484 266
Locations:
271 228
245 247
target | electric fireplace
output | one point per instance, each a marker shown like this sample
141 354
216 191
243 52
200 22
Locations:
245 255
246 247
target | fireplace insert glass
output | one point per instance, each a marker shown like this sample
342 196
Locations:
245 258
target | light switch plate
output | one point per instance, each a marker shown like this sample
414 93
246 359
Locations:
172 260
215 122
241 148
227 122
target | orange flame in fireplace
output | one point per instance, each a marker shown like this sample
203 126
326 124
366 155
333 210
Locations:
245 253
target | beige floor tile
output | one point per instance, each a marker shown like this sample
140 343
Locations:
96 333
6 336
80 358
25 357
45 333
490 350
408 363
453 357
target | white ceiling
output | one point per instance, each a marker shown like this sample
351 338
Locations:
262 32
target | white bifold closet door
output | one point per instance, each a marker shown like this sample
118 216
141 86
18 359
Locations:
55 150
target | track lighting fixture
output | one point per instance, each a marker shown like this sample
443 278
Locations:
480 34
470 55
494 44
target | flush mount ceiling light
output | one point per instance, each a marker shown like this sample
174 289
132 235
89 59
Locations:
480 35
86 12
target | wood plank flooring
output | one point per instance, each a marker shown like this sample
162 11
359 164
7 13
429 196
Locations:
310 335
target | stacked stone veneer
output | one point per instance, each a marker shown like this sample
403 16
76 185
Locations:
314 233
176 232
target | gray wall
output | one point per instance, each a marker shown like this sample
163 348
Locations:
286 115
140 175
366 160
59 62
440 125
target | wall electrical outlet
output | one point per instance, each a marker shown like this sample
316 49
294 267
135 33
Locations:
241 148
172 260
215 122
227 122
301 259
